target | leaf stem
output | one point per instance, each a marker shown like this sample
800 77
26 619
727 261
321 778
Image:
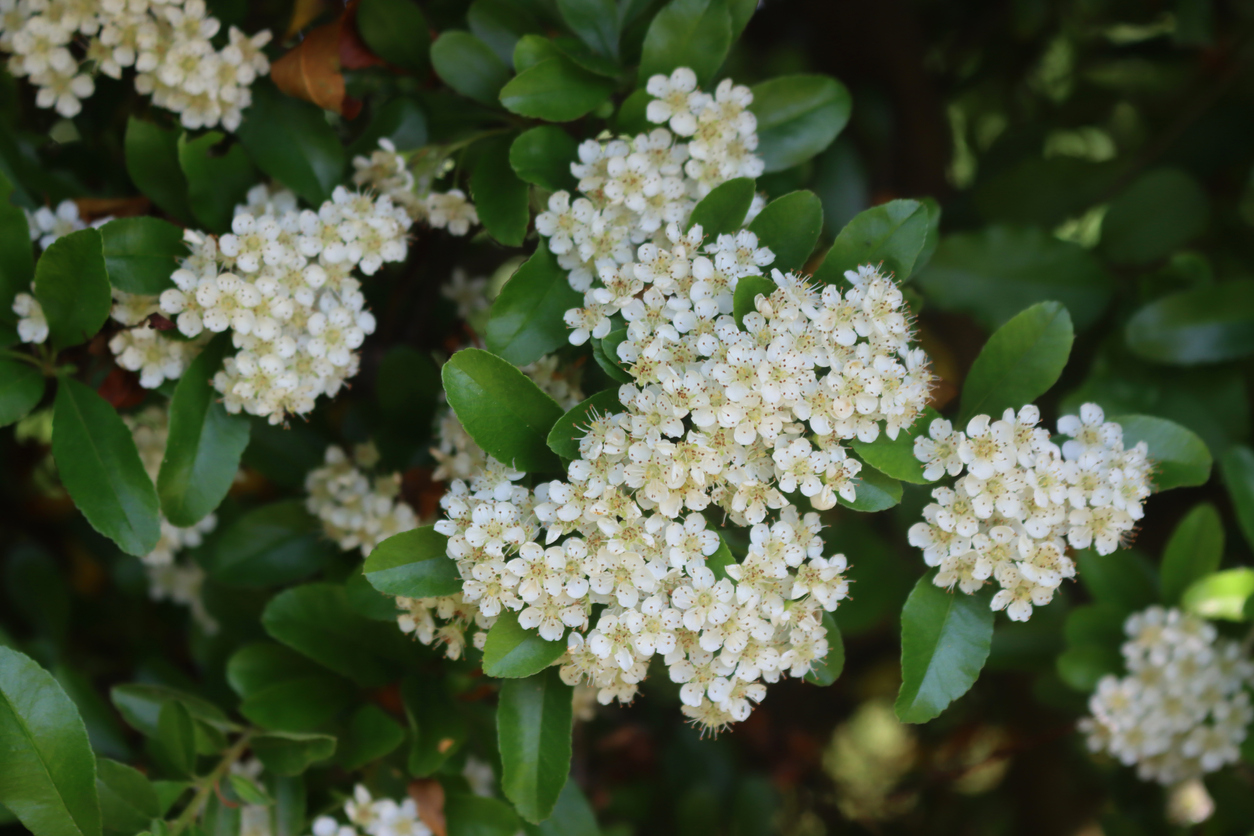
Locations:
206 785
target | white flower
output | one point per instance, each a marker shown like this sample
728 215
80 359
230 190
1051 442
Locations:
32 326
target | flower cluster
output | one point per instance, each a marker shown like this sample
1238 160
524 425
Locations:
718 415
1182 711
386 172
357 512
60 44
374 817
167 578
1023 499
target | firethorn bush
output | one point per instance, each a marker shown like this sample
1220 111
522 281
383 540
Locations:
625 416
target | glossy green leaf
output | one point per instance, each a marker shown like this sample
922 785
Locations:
152 160
475 815
687 33
1220 595
248 791
1122 579
798 117
745 297
571 427
175 742
605 353
721 559
205 443
594 21
401 120
140 706
414 564
21 388
512 652
290 140
531 50
289 753
556 90
790 227
945 639
275 544
216 180
503 410
371 734
543 156
141 253
571 816
995 273
827 670
889 236
1020 362
100 468
723 210
281 689
1180 458
396 31
1161 210
894 457
501 24
290 803
500 197
437 727
534 720
1237 469
1206 324
47 773
526 320
875 491
1195 549
128 800
72 286
469 66
17 254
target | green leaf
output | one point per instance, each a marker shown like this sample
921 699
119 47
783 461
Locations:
401 120
827 670
745 297
995 273
798 117
500 197
556 90
141 253
721 559
414 564
175 741
1019 363
889 236
371 734
437 727
594 21
1161 211
21 388
687 33
945 639
723 210
316 620
72 286
1083 666
152 160
503 410
47 773
248 791
17 254
895 457
205 443
289 753
128 801
1221 595
100 468
526 320
281 689
500 24
605 353
1237 469
1181 459
534 719
475 815
531 50
1195 549
570 428
1207 324
876 491
1122 579
290 140
469 66
216 182
790 227
140 706
396 31
543 156
512 652
290 802
572 816
275 544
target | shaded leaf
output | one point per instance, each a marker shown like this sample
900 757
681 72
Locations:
526 320
1180 457
1019 363
827 670
291 141
21 388
723 210
500 197
534 720
556 90
798 116
1195 549
396 31
469 66
152 161
895 457
72 286
512 652
1237 468
141 253
790 227
274 544
945 639
289 753
543 156
889 236
1206 324
687 33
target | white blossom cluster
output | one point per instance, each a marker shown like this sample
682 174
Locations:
1182 710
60 44
717 416
386 172
357 511
1024 498
168 578
373 817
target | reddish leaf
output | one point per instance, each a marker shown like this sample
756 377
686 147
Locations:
121 389
428 794
354 54
311 72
